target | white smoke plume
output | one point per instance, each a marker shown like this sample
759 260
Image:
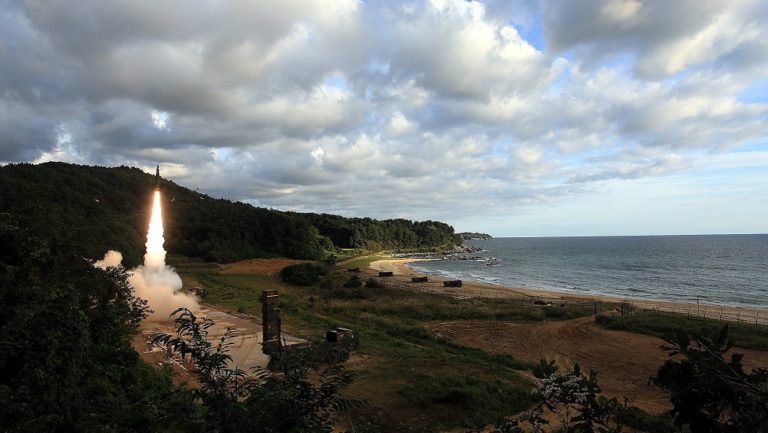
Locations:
154 281
112 259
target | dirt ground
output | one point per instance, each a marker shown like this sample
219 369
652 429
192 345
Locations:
245 346
259 266
157 358
624 361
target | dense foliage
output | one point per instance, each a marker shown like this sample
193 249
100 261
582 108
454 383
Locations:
66 362
237 402
302 274
710 391
108 208
378 235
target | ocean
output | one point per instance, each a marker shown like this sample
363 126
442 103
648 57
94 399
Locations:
713 269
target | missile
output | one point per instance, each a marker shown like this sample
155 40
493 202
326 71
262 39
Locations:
157 177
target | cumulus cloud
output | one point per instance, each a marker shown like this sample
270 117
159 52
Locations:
425 109
663 37
454 49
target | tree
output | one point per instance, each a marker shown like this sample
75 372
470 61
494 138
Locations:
236 402
66 362
709 391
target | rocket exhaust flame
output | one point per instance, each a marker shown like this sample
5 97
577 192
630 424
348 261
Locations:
155 256
155 281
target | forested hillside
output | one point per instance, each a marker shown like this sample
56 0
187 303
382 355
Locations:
100 208
376 235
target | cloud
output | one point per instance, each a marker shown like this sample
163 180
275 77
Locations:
454 49
663 38
438 109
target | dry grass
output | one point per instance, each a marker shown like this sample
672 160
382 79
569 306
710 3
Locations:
269 267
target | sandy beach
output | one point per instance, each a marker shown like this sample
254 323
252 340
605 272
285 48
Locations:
403 273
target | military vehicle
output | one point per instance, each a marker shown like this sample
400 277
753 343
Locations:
338 344
335 348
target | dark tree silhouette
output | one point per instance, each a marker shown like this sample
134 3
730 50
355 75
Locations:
710 391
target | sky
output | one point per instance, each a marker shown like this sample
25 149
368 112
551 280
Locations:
514 118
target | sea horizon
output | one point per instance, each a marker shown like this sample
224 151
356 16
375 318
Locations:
715 269
624 236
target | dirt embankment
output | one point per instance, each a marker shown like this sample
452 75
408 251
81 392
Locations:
624 361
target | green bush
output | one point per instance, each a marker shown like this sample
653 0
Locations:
373 283
477 399
709 388
641 421
353 282
302 274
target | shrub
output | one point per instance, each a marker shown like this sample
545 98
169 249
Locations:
302 274
476 399
570 396
353 282
710 391
641 421
373 283
330 282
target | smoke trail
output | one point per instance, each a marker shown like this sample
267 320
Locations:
154 281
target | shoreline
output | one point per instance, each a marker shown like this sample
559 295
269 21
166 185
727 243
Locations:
473 288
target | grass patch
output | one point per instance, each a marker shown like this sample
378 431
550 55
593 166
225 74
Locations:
744 335
644 422
472 402
361 262
403 304
191 265
344 253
